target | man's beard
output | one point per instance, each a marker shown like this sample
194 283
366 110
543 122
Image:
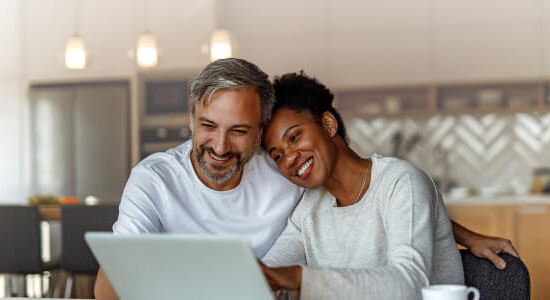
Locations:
242 159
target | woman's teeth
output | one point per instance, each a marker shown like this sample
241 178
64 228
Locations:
304 167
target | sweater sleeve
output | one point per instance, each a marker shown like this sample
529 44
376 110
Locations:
408 218
289 247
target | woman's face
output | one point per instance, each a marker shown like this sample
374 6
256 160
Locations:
302 148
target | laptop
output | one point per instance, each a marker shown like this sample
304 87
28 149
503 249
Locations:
175 266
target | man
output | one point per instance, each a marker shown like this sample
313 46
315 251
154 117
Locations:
219 181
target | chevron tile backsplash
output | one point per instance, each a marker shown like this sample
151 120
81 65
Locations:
494 151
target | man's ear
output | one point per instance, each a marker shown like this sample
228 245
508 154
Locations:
330 124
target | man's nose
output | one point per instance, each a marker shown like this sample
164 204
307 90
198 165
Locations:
221 144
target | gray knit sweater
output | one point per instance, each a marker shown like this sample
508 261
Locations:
394 241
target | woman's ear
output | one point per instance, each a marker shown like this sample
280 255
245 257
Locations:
330 123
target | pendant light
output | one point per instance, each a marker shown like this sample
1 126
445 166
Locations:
75 53
147 51
75 49
220 44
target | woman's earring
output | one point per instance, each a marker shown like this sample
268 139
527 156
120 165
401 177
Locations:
332 132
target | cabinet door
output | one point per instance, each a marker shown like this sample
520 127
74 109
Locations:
534 247
101 140
52 149
495 220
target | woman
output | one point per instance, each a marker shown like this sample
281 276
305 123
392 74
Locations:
366 228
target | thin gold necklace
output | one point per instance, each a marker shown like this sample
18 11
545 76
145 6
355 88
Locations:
362 186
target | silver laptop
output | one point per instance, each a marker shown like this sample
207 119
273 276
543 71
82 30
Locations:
174 266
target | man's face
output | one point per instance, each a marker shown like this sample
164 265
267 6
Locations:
225 133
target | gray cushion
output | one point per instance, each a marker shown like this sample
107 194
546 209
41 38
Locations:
510 283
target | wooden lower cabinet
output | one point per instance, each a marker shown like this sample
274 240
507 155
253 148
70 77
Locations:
526 225
533 236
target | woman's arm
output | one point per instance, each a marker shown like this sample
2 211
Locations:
484 246
289 246
410 223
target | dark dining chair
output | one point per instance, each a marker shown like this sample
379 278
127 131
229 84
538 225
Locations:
492 283
20 249
77 259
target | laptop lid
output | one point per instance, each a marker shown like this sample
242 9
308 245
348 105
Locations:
175 266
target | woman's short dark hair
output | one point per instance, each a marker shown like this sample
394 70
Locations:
300 93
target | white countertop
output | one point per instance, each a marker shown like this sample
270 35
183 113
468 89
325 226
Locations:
499 200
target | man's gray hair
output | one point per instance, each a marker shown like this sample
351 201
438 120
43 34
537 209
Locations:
233 73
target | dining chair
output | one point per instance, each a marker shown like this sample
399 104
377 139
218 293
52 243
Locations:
77 260
20 248
492 283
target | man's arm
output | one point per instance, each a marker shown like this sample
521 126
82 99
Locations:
484 246
103 289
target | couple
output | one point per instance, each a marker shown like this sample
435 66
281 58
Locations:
366 227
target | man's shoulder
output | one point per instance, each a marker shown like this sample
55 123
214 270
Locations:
263 176
261 162
168 157
164 164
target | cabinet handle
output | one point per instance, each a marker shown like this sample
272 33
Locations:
533 210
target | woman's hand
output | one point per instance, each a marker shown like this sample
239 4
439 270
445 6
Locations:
484 246
288 278
489 247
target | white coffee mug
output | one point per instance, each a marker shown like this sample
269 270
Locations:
449 292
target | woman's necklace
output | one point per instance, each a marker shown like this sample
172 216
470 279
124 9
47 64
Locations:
362 186
355 214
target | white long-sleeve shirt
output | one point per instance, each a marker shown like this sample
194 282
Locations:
394 241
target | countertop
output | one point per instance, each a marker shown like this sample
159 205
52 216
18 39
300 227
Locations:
543 199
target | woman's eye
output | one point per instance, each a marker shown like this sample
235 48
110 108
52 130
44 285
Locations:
294 137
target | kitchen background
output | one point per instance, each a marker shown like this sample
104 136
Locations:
460 88
492 153
346 44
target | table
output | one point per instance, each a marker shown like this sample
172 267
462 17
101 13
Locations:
51 212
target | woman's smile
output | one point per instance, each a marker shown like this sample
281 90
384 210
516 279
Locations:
305 169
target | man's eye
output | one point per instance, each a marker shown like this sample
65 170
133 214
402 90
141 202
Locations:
207 125
276 157
237 131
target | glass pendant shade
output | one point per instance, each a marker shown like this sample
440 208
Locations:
220 44
75 53
147 52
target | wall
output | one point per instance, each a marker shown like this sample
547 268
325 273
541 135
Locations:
12 117
493 153
110 29
357 43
